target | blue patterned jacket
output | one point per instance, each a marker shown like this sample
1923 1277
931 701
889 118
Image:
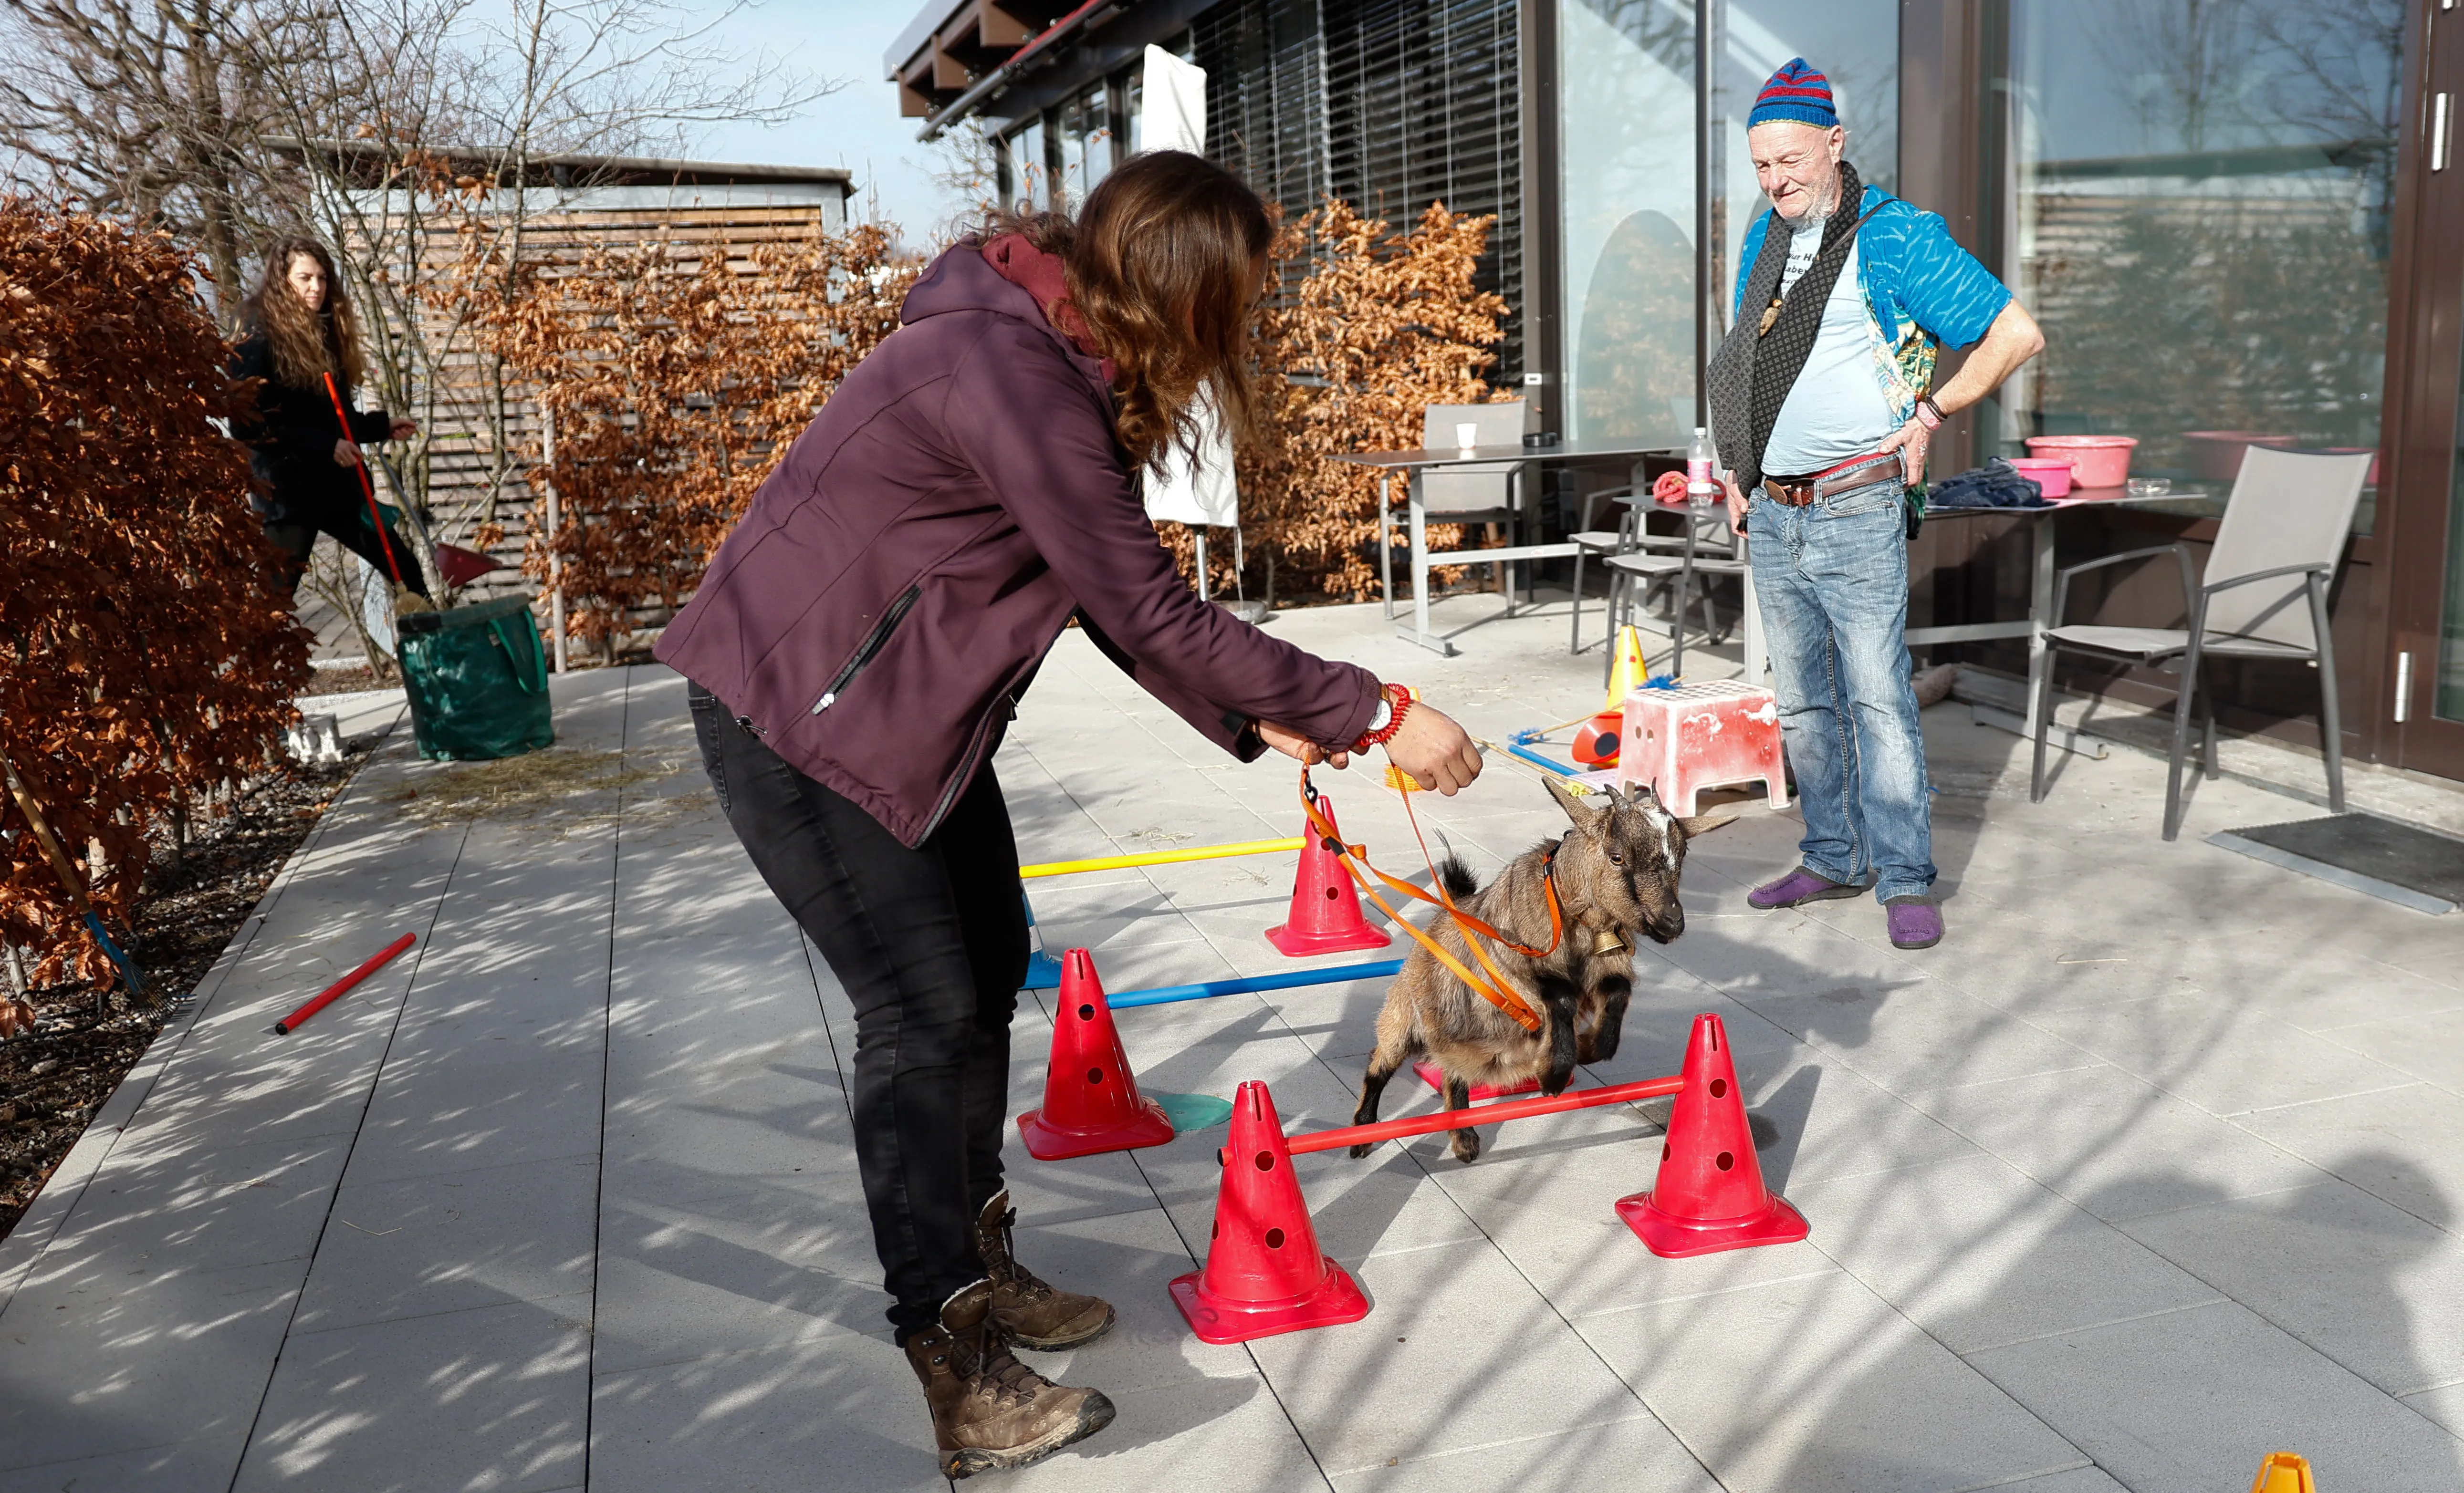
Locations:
1922 289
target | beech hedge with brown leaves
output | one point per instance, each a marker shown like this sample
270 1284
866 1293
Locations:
674 377
147 654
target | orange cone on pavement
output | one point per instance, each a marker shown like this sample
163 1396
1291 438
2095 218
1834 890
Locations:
1325 917
1091 1102
1265 1273
1710 1195
2283 1472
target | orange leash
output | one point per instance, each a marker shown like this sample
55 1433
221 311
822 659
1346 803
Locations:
368 488
1495 989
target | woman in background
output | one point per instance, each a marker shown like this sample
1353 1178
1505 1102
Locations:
296 329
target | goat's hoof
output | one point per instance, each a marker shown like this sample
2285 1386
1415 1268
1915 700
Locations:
1358 1152
1466 1147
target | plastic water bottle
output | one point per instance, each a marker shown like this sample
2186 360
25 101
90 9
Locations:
1700 488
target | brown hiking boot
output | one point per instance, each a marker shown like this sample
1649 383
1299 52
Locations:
989 1411
1034 1313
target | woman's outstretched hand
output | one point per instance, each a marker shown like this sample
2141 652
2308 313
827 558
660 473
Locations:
1299 748
1437 752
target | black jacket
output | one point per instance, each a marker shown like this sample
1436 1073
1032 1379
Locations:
291 440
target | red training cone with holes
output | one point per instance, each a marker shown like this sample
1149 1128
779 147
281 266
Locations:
1710 1195
1326 906
1264 1272
1091 1102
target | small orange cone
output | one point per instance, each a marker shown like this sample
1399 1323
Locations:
1091 1102
2283 1472
1326 906
1711 1195
1264 1272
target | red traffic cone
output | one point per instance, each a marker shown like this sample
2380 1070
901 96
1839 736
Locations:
1264 1272
1435 1077
1091 1102
1711 1195
1326 906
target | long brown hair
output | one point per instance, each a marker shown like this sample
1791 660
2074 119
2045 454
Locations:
307 344
1159 263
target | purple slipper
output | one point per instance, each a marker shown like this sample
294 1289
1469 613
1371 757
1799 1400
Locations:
1797 885
1916 922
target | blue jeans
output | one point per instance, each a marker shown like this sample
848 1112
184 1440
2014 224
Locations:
1833 581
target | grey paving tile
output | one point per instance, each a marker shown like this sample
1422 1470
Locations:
199 1466
492 1397
1976 1254
2195 1400
1817 1384
2371 1287
2444 1405
841 1417
2113 1145
2394 1145
95 1364
2430 1047
436 1117
1422 1373
1638 1452
1554 1217
1921 1036
1227 1431
2218 1054
450 1241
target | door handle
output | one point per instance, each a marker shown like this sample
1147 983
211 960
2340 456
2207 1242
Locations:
2442 118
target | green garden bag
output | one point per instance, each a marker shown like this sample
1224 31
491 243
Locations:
477 680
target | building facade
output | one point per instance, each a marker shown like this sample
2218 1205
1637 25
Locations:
2237 221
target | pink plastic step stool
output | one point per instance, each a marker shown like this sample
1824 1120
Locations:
1720 734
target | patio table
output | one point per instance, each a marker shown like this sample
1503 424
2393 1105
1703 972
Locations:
1415 464
2191 502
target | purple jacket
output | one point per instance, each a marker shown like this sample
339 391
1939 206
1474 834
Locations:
901 575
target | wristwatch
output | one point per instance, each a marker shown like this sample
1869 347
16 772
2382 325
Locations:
1928 413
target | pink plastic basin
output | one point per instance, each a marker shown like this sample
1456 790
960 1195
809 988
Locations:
2096 460
2054 476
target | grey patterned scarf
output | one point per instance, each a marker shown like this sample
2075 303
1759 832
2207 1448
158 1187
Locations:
1759 360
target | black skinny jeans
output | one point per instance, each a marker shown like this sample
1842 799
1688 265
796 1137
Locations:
355 532
931 946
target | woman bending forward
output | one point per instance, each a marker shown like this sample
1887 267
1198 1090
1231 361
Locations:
860 644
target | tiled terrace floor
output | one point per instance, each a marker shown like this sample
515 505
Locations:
2150 1169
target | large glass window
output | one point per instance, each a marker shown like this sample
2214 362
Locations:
1085 143
1028 179
2195 207
1630 193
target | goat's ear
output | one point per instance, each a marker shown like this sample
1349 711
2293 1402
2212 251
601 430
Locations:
1705 823
1582 814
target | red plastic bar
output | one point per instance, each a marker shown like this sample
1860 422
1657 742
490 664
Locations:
1483 1114
290 1023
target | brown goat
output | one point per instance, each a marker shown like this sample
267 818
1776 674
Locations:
1616 874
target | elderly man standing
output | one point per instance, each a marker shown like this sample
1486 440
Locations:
1818 396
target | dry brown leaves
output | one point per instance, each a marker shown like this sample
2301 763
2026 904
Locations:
144 653
1380 326
677 375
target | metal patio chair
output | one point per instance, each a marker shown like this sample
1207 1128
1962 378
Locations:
1484 493
2265 596
1627 538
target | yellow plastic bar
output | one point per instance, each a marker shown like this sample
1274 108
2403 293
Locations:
1116 862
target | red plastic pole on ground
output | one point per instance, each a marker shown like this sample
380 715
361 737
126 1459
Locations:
290 1023
1483 1114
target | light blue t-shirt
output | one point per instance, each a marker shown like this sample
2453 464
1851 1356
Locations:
1834 412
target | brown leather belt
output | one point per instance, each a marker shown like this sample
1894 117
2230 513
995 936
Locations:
1847 477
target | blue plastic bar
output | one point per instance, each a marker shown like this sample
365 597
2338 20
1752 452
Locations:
1332 974
1530 756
